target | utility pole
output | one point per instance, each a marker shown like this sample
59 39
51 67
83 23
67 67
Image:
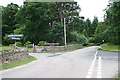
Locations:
65 32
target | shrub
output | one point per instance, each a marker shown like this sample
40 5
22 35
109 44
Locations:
28 44
98 39
42 43
79 38
19 44
91 40
7 40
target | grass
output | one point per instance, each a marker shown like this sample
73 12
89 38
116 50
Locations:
30 49
12 48
75 48
6 48
110 47
118 77
11 65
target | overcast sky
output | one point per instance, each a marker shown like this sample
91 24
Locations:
90 8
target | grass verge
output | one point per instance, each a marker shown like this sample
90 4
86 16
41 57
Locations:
75 48
110 47
30 50
6 48
118 77
11 65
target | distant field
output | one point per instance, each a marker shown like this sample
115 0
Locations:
7 48
110 47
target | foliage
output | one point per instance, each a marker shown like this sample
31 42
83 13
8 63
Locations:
56 33
47 19
44 22
91 39
100 33
85 33
27 43
7 40
112 19
78 38
8 19
19 44
94 25
42 43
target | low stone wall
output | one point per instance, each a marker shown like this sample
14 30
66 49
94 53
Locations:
54 48
13 56
50 48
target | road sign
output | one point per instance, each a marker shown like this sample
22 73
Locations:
15 36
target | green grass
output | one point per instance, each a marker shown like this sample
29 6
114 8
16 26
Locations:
118 77
11 65
30 49
76 48
6 48
110 47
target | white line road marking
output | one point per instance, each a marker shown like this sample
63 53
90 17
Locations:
99 70
89 74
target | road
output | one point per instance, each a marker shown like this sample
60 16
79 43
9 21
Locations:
82 63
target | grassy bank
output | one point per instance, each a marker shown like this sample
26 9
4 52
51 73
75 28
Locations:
30 50
7 66
110 47
118 77
75 48
6 48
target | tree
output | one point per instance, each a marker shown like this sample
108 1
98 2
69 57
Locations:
100 33
94 25
44 19
56 33
88 27
8 19
112 19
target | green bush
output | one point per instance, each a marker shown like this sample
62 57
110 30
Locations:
42 43
7 40
98 39
19 44
91 40
27 43
79 38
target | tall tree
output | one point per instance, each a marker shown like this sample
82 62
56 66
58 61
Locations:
88 27
43 18
94 25
113 21
8 19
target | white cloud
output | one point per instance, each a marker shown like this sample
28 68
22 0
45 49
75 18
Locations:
91 8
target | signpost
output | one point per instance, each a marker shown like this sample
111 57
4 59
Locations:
15 37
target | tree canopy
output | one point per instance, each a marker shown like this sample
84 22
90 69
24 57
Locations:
44 21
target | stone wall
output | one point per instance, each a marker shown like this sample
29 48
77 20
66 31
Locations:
13 56
50 48
54 48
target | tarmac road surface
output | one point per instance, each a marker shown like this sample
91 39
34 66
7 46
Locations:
83 63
